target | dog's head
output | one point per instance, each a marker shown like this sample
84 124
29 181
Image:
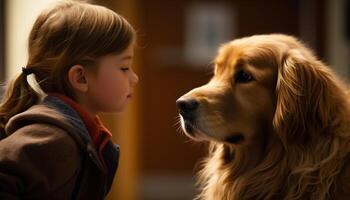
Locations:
262 85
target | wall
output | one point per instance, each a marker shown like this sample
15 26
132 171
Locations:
2 41
338 46
20 16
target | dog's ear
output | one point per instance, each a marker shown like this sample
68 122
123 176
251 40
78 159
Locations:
306 94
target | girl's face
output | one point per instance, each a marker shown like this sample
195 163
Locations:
111 87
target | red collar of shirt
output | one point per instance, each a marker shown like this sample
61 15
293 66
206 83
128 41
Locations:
99 134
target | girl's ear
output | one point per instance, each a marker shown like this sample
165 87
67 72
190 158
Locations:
77 78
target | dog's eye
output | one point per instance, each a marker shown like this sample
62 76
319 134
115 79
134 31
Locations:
243 77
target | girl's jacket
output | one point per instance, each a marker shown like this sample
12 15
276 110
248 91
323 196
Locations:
48 154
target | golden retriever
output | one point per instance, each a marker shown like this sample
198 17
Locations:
277 120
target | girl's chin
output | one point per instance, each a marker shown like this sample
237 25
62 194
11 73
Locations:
116 109
122 108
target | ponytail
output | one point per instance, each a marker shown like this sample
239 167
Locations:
18 97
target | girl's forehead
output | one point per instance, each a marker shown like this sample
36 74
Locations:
126 54
116 58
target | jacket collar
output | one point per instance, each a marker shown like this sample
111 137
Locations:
73 117
98 132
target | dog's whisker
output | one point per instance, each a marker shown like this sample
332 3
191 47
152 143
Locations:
179 129
188 140
176 123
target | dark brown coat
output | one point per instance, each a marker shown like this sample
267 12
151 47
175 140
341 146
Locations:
48 154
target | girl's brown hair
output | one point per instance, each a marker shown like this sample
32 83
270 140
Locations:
67 34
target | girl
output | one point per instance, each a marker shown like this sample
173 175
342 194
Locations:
53 144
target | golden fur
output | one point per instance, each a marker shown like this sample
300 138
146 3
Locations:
278 124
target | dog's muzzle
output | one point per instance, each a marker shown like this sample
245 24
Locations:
187 108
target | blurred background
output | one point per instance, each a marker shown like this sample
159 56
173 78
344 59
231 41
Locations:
177 40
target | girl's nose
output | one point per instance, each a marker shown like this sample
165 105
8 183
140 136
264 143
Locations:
134 78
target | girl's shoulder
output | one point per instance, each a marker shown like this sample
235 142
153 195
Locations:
42 138
40 127
48 118
38 155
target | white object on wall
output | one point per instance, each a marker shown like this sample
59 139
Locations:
207 26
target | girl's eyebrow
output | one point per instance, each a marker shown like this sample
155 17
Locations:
126 58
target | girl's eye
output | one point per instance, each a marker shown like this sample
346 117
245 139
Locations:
124 69
243 77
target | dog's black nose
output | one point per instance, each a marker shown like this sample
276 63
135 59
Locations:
187 106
